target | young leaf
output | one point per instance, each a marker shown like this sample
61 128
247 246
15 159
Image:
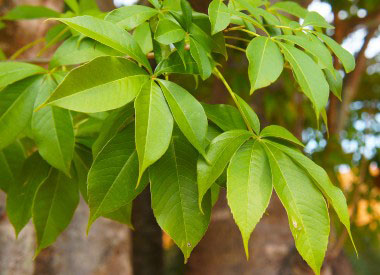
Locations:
344 56
77 50
188 113
30 12
219 155
11 72
220 16
130 17
226 117
53 208
275 131
22 191
292 8
111 126
249 187
154 125
251 116
174 196
11 162
52 130
109 34
332 193
265 62
305 206
200 56
113 176
103 84
335 83
309 76
143 37
16 108
316 20
168 32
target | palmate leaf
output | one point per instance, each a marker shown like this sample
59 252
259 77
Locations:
143 37
176 64
304 204
335 82
12 71
188 113
291 8
219 155
316 20
53 207
226 117
249 114
275 131
220 16
52 130
16 108
187 12
154 125
103 84
109 34
174 195
265 62
76 50
249 187
22 191
30 12
11 162
309 76
200 56
130 17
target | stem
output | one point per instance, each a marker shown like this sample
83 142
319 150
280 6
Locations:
237 38
235 48
234 28
232 94
249 32
26 47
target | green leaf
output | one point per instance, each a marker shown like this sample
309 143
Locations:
11 72
77 50
265 62
219 155
309 76
154 125
82 161
30 12
73 5
129 17
187 13
249 187
335 83
16 108
143 37
109 34
313 46
83 90
113 176
53 130
200 56
21 193
344 56
332 193
220 16
305 206
188 113
111 126
174 196
53 208
168 32
316 20
275 131
175 64
122 215
251 116
155 3
11 161
226 117
292 8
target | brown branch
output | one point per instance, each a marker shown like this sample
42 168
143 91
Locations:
353 81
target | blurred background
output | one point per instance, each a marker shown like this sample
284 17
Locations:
350 154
